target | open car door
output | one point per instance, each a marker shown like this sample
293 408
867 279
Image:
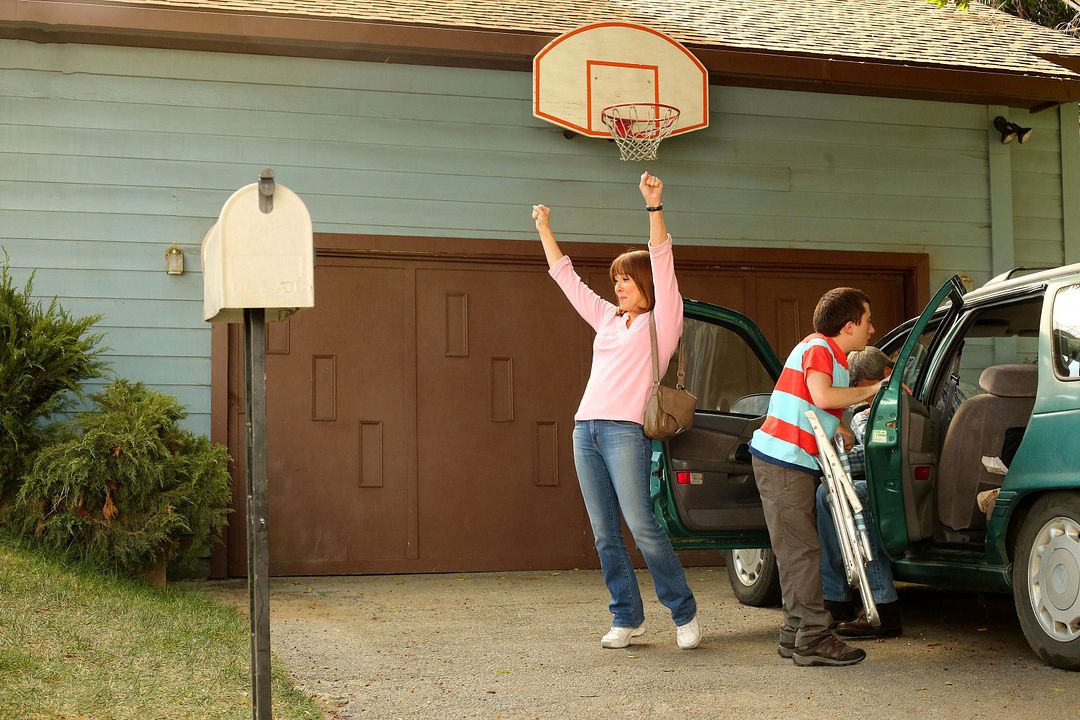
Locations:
901 452
703 487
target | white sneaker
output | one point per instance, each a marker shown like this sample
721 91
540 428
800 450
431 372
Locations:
689 635
619 637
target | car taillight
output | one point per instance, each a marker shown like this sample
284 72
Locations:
682 477
922 472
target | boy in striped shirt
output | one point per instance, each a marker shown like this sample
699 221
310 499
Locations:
815 377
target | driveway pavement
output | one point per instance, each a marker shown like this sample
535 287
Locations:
527 645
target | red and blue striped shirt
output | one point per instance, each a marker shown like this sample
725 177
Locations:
786 438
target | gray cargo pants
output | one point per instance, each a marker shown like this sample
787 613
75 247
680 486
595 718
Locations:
787 497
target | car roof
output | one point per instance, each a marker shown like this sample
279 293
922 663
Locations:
1003 283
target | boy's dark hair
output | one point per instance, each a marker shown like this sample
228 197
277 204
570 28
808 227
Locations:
837 308
638 266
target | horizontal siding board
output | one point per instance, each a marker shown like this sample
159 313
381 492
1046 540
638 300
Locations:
103 226
813 154
1047 184
105 283
868 109
185 65
1036 206
1028 159
848 132
138 312
323 104
1040 253
159 370
1029 228
91 254
840 205
164 342
909 183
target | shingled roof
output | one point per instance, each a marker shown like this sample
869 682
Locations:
904 48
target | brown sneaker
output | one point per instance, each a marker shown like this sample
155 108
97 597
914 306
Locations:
829 650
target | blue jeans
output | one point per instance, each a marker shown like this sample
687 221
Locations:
834 585
612 459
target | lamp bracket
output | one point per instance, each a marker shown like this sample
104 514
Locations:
266 190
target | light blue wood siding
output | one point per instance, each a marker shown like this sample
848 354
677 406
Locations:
108 155
1036 191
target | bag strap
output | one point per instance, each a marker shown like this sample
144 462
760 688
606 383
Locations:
680 383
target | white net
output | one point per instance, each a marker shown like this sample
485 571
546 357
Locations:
638 128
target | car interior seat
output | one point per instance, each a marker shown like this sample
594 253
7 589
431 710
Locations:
979 428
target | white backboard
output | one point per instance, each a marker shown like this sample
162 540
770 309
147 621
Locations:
583 71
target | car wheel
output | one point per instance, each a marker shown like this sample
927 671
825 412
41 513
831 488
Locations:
753 576
1046 579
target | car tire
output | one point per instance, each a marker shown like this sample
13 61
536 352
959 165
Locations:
753 576
1046 579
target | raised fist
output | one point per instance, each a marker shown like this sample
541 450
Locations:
652 189
541 215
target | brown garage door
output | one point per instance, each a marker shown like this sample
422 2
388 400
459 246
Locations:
419 417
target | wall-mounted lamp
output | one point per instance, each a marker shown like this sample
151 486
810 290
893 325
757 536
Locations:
174 260
1011 131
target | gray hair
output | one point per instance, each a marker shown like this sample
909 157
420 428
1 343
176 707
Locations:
868 364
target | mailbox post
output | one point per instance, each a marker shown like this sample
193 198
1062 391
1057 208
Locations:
258 265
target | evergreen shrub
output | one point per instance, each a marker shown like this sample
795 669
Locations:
45 354
131 489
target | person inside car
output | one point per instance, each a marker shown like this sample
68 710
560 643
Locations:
868 368
612 454
815 377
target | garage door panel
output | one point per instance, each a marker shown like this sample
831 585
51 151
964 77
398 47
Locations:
338 431
496 482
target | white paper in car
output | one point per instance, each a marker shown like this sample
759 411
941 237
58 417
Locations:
994 465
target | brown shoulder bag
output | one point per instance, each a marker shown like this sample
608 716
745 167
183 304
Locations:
669 411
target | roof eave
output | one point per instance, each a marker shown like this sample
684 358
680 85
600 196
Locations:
174 28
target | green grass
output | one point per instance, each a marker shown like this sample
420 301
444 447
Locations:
77 644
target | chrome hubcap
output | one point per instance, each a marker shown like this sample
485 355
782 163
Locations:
748 564
1054 578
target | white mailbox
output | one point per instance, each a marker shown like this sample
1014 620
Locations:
257 259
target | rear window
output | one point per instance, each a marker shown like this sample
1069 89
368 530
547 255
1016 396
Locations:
1066 333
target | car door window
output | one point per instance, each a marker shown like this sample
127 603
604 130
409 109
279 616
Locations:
1066 333
1004 334
920 354
721 367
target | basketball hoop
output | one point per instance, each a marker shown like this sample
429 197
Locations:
638 128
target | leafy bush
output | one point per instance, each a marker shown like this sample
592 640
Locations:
131 489
45 354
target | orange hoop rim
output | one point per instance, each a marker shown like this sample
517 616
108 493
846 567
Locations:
611 113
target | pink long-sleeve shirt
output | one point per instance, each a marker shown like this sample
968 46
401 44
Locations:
621 376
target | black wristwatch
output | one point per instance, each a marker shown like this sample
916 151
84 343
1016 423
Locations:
650 208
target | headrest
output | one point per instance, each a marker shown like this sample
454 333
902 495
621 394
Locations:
1010 380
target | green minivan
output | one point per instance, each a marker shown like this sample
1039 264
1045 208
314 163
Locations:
992 373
